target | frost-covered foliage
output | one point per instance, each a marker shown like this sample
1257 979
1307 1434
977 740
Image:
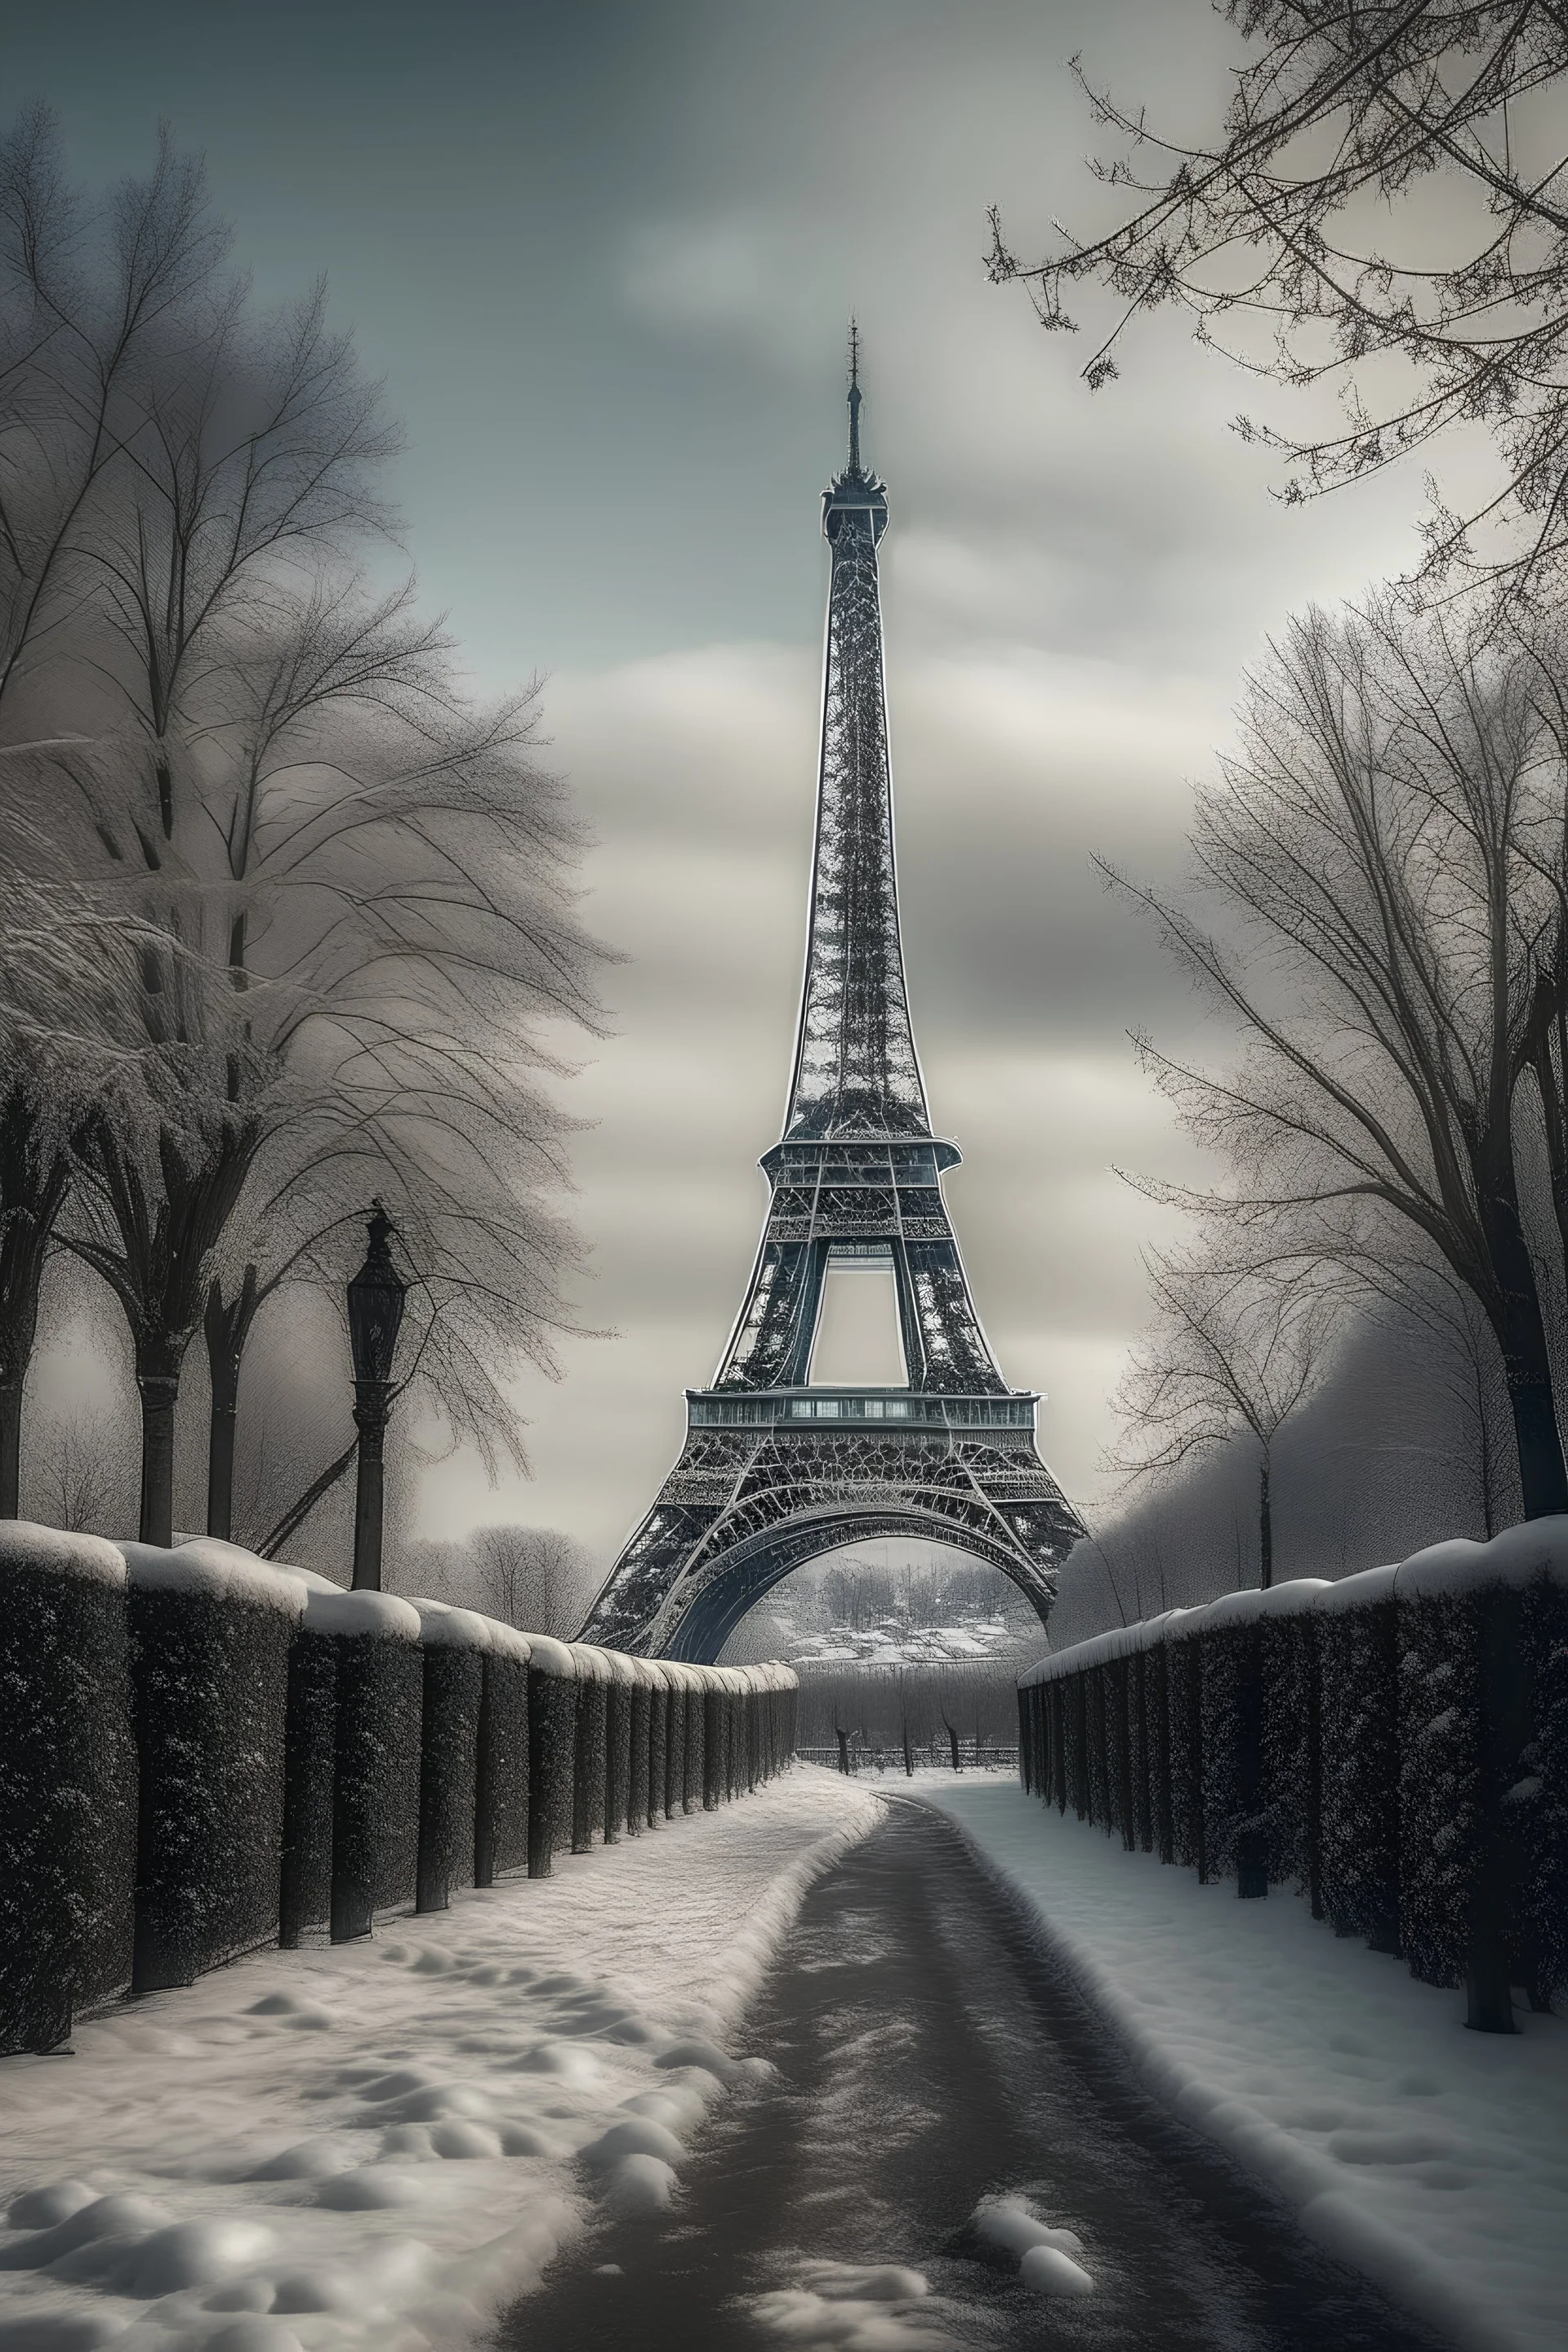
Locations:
617 1759
591 1765
1141 1827
715 1752
1436 1774
1538 1800
1292 1752
553 1691
1362 1750
1234 1823
209 1685
1096 1748
693 1795
1391 1745
1184 1687
375 1811
310 1773
68 1783
304 1758
657 1792
500 1819
676 1769
454 1643
338 890
1157 1712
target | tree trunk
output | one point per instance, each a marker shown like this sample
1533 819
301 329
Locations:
1265 1525
225 1328
160 1391
10 1447
1484 1439
952 1743
1516 1318
220 1458
32 1205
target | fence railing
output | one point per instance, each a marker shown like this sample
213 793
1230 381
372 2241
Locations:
201 1752
1394 1746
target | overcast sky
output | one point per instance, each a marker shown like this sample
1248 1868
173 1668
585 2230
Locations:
604 255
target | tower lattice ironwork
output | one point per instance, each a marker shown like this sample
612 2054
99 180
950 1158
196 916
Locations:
777 1470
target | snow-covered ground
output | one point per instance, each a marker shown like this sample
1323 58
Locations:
382 2142
1434 2159
892 1642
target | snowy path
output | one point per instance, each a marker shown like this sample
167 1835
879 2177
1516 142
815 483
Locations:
941 2091
1434 2159
382 2144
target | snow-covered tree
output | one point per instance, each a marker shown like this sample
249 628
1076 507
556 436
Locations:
349 885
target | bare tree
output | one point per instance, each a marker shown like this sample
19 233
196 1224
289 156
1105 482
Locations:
87 294
1368 856
1300 238
353 889
65 974
400 867
1233 1354
537 1578
90 294
78 1472
1421 1306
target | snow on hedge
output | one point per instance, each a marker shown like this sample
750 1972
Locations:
1434 2160
1514 1561
382 2142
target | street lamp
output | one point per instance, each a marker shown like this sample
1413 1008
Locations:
375 1313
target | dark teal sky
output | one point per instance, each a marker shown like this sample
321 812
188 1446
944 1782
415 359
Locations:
604 255
482 185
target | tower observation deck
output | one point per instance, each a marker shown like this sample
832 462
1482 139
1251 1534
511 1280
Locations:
776 1469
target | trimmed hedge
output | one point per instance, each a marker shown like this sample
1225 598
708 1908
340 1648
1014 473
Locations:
591 1768
1292 1744
1235 1823
641 1758
502 1767
376 1809
351 1762
201 1752
618 1749
453 1642
309 1782
676 1747
1361 1750
1393 1746
68 1783
210 1638
553 1689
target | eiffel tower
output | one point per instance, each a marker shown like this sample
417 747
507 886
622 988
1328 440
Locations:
777 1470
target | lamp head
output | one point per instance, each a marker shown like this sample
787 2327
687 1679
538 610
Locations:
376 1296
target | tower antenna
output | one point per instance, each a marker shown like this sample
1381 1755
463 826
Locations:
853 396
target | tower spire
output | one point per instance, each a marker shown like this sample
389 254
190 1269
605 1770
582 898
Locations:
853 396
855 1071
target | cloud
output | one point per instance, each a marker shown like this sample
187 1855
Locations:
697 773
737 276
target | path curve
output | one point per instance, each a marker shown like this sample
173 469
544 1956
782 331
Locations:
928 2056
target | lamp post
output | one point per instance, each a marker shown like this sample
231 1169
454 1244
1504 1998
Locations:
375 1313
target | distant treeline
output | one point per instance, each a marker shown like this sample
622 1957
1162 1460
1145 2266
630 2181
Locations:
858 1707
